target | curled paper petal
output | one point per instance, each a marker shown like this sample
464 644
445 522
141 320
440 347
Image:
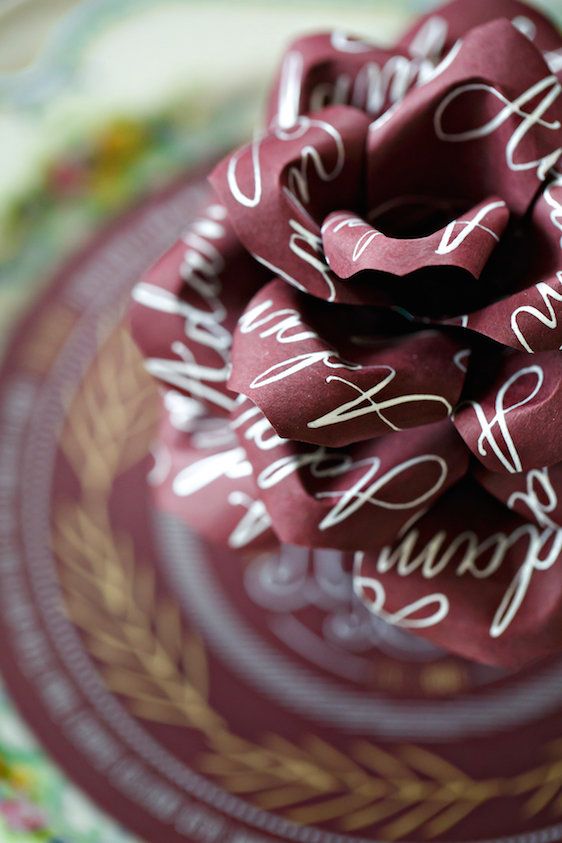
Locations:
351 245
352 380
388 257
511 424
279 188
472 577
204 476
358 497
483 126
544 249
452 21
530 318
186 306
334 68
536 495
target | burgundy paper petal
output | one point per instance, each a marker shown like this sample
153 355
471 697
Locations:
544 251
512 423
529 320
531 317
186 306
334 68
554 62
351 245
536 495
472 577
485 125
349 380
353 498
453 20
203 476
279 189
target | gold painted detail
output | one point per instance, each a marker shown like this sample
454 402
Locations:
147 656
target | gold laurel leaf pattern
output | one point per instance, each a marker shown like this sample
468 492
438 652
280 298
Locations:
116 394
50 332
149 658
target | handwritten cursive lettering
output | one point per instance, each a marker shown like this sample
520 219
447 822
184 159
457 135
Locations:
365 404
278 324
298 175
252 524
200 270
323 463
449 242
539 497
548 87
548 319
379 83
408 617
512 461
479 559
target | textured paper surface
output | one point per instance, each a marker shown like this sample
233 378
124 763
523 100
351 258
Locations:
370 302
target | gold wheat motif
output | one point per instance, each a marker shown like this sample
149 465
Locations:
148 657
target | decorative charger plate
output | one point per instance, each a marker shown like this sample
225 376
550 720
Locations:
199 698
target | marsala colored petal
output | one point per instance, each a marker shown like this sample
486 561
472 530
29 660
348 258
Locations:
332 375
203 476
473 578
510 415
331 68
485 125
351 498
536 495
186 306
279 189
351 245
453 20
530 319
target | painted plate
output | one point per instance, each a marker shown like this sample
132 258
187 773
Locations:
200 697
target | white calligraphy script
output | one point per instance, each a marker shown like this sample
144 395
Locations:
322 463
298 178
449 242
200 270
548 87
479 559
379 83
548 319
304 242
540 497
510 461
285 326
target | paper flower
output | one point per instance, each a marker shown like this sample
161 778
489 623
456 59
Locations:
360 331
